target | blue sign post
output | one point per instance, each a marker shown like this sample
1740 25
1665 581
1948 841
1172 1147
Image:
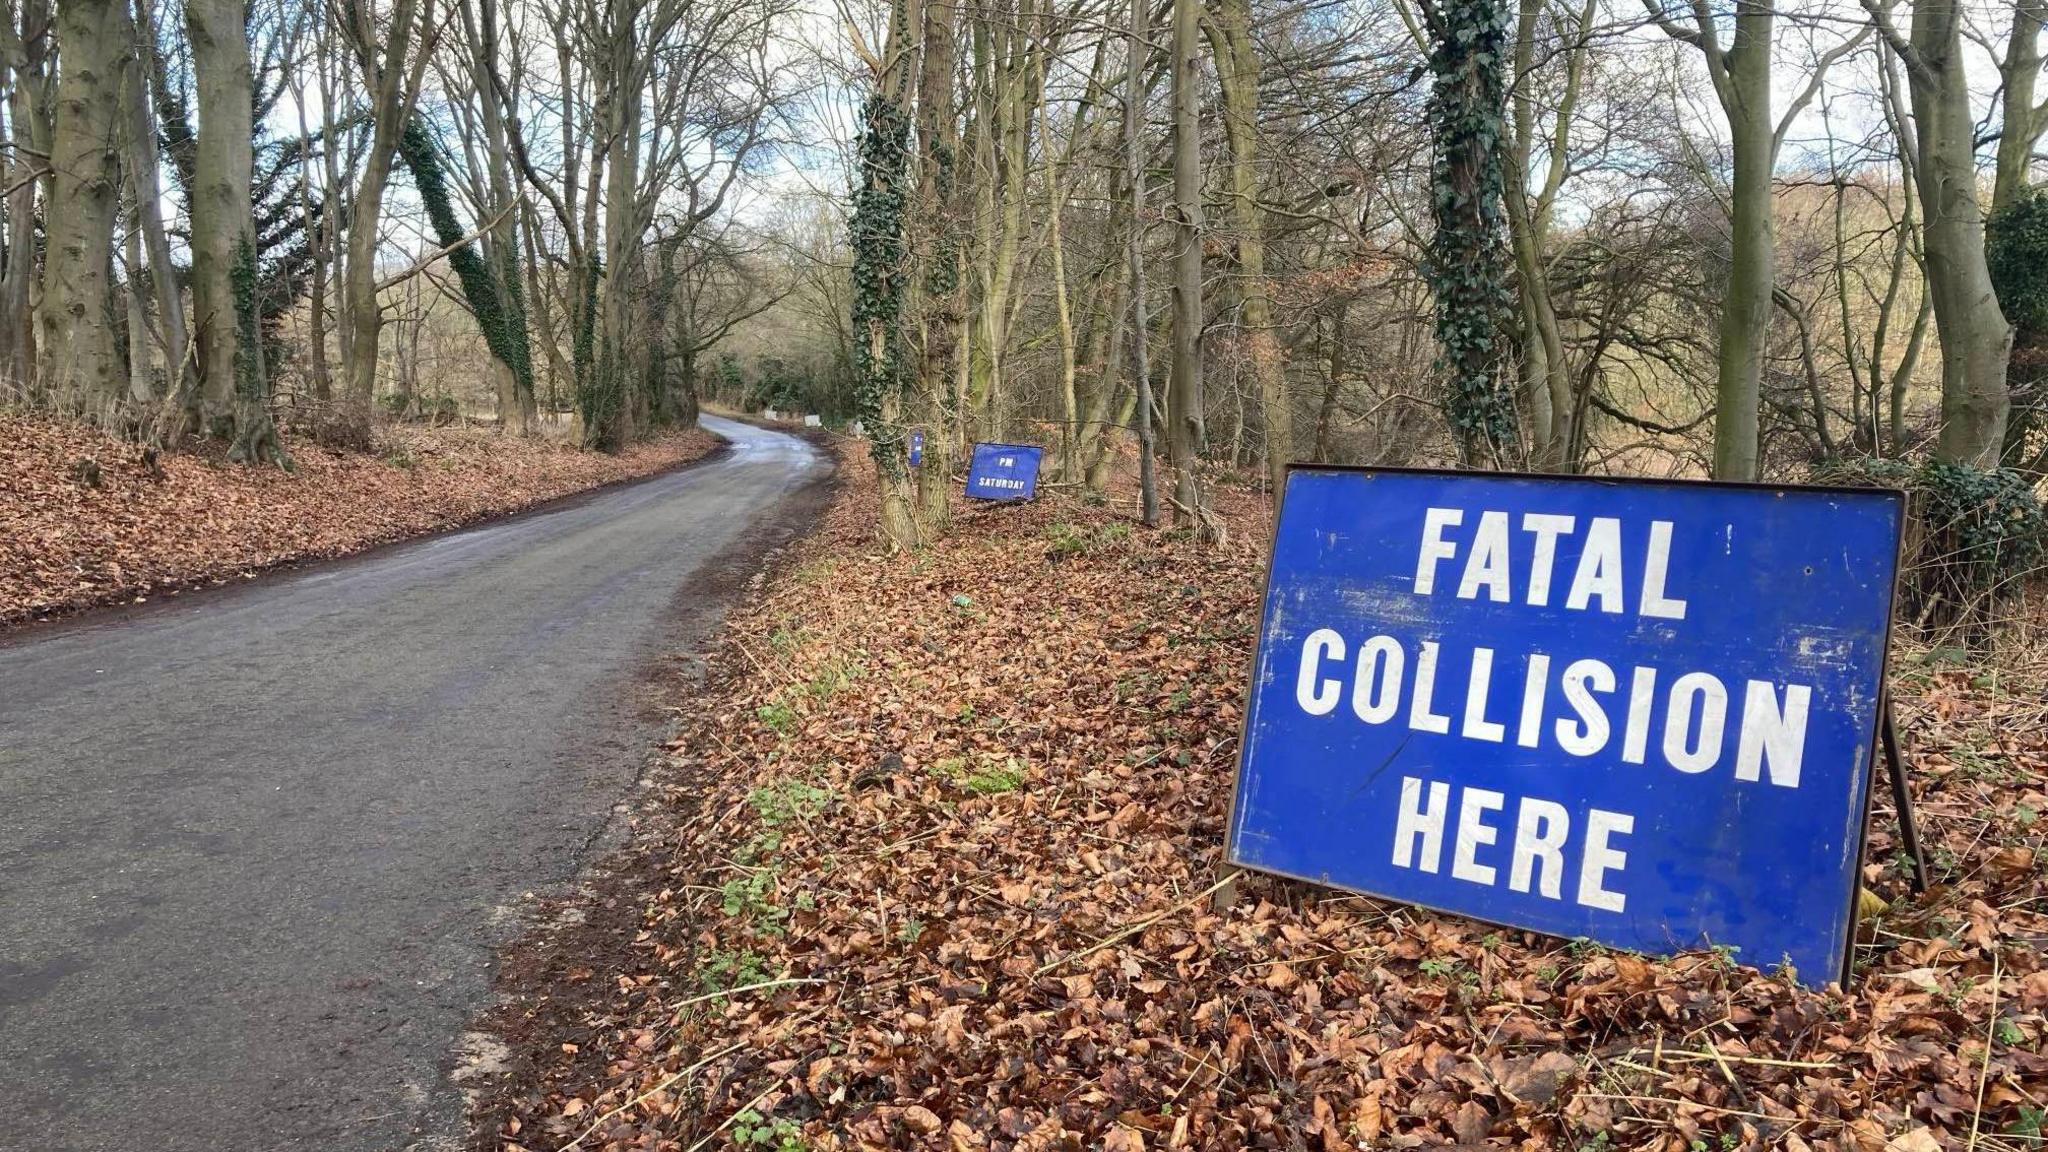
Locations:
1003 471
1640 712
916 448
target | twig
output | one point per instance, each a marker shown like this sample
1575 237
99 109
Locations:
747 988
1740 1095
1990 1035
636 1101
1140 926
1721 1058
427 261
1201 1062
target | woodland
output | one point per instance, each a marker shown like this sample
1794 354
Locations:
928 862
1766 241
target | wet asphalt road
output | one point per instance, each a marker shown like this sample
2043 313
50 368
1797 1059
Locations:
258 847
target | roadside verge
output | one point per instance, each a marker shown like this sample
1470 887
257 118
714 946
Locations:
928 867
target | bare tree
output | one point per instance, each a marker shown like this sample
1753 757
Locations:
1184 432
1976 338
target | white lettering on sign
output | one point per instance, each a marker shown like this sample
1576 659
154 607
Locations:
1535 854
1596 581
1689 719
1318 694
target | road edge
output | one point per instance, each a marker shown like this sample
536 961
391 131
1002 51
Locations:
592 920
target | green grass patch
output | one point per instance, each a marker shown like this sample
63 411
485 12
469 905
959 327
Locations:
788 801
1064 539
778 716
990 777
721 970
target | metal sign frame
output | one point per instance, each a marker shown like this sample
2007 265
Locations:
1882 743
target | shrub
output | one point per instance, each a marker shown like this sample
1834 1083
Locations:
1973 536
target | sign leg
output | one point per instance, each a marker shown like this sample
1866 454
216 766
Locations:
1902 798
1225 894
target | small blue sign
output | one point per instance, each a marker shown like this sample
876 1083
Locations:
1003 471
1640 712
916 448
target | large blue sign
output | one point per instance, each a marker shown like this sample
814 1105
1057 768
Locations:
1003 471
1641 712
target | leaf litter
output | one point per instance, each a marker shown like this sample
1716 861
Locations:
929 866
88 520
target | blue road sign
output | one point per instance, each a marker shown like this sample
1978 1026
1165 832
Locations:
1641 712
1003 471
916 448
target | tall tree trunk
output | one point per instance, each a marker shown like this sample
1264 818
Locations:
1975 336
2022 121
1546 377
880 271
1063 311
1468 253
1237 73
1746 309
26 48
144 184
1006 57
141 380
317 226
609 415
234 387
1105 356
943 320
1741 76
1184 398
360 314
394 84
502 313
537 291
79 370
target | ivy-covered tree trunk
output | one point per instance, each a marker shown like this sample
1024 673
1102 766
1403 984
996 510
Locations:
1467 261
942 214
502 251
234 394
2017 246
493 297
878 297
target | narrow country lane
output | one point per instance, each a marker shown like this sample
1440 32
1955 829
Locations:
257 848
